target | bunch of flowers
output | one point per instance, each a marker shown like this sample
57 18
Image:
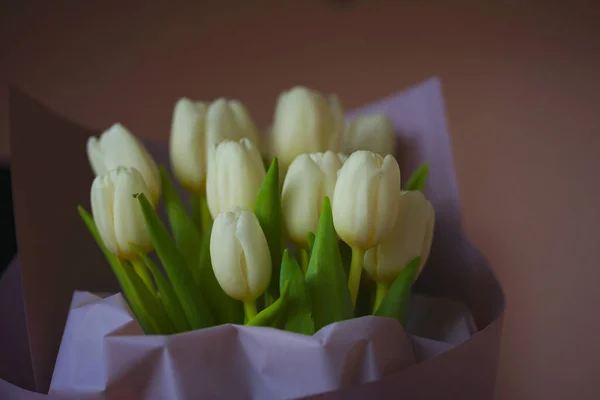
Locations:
295 228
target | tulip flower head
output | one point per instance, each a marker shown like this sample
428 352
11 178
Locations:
305 122
374 133
117 213
187 144
411 238
365 199
228 120
235 176
240 254
117 147
310 178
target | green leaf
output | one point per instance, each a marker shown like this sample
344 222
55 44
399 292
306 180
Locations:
310 238
269 315
186 234
194 305
167 295
268 212
156 312
266 162
395 302
200 212
325 278
299 316
418 178
225 309
304 260
147 323
196 201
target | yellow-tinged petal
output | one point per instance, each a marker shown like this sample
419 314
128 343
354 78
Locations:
365 199
240 254
235 176
411 238
117 213
374 133
118 147
187 143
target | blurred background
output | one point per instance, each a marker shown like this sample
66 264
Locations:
522 87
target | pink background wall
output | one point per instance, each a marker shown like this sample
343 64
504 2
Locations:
522 85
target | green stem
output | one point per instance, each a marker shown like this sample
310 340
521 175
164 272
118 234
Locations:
142 271
205 217
304 260
380 293
200 212
250 309
356 266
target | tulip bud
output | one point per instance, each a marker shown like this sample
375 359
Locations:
309 179
117 213
305 122
240 254
187 143
228 120
235 177
117 147
411 238
374 133
365 199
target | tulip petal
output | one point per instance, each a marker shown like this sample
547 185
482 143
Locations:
298 317
102 200
386 202
268 212
122 149
256 253
187 142
96 156
128 218
244 121
406 242
192 300
301 198
225 309
395 302
235 177
226 254
325 278
374 133
355 199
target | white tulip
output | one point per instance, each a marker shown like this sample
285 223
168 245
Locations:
365 199
374 133
187 144
228 120
117 214
240 254
305 122
117 147
235 176
412 237
310 178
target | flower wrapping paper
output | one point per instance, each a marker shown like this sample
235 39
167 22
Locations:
449 350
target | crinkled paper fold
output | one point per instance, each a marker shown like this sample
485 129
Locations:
449 349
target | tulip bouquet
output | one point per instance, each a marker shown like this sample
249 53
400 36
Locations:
295 229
